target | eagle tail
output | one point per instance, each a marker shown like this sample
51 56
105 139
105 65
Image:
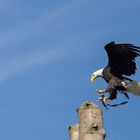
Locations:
132 87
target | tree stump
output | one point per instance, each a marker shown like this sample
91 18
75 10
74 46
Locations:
74 132
90 123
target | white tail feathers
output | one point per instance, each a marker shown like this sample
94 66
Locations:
132 87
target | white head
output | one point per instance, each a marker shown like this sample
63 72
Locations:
98 73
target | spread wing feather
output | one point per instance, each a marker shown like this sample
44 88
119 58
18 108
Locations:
121 58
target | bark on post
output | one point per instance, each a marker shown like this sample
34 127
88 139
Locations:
74 132
90 122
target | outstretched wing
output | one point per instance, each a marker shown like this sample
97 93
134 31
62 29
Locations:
122 58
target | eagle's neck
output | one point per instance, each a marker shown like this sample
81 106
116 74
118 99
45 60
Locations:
107 75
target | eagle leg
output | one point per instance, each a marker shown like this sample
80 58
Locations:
104 100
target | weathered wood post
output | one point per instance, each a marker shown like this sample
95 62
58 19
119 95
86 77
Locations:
74 132
90 123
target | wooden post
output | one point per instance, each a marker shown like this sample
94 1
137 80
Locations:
90 123
74 132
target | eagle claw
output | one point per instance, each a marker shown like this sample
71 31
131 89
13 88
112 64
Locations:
104 101
100 91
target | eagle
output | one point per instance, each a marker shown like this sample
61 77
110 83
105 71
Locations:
121 65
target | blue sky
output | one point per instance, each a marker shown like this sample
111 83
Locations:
48 51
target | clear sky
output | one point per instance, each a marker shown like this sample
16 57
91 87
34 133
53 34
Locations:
48 51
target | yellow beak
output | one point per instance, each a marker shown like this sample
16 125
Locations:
93 77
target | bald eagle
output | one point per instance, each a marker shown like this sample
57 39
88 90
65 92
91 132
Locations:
121 64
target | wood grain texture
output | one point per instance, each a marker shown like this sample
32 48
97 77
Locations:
74 132
90 122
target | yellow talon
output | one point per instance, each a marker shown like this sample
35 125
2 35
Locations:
103 99
99 91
